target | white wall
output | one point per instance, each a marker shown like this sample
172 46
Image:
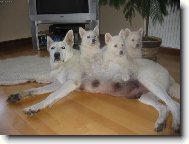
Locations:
15 23
113 20
169 31
14 17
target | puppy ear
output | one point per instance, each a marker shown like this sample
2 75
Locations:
141 31
108 38
49 42
96 30
127 32
81 31
121 34
69 38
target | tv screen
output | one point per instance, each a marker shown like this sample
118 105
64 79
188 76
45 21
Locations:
61 6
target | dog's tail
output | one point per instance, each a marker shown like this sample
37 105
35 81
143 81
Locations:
174 89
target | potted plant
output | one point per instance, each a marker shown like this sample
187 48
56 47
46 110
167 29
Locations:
148 9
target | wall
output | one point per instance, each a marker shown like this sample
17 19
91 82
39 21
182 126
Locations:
113 20
169 30
15 23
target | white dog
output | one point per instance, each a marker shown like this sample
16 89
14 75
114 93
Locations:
68 67
90 47
155 78
134 43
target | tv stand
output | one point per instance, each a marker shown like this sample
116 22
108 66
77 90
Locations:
90 24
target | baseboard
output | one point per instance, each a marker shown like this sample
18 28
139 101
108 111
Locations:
17 42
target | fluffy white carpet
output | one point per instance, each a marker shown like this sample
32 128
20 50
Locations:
23 69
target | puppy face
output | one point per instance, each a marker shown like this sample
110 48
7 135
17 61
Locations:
134 39
115 44
61 52
89 38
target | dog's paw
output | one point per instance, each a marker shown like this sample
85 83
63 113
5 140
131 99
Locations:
31 112
160 126
14 98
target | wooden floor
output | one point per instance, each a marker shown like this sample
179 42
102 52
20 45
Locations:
80 113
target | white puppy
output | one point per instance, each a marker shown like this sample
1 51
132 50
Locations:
89 47
133 42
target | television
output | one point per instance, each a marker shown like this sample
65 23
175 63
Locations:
67 11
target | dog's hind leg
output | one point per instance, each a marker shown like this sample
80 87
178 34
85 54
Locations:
150 99
174 107
13 98
63 91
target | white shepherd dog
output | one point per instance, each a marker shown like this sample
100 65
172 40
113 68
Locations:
68 68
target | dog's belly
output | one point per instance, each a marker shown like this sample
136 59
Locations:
131 89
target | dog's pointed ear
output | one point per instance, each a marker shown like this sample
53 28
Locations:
127 32
122 34
108 38
140 31
81 31
49 42
69 38
96 30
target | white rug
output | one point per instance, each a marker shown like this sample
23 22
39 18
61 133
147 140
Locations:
24 69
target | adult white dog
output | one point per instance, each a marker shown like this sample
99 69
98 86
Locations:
68 68
154 77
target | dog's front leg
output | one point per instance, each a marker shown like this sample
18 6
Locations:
17 97
64 90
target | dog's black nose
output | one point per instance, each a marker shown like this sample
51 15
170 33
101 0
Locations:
93 40
137 45
121 52
57 55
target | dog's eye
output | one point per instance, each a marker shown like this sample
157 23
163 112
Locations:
88 36
122 45
133 40
52 47
63 47
115 45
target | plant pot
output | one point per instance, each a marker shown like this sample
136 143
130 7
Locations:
150 47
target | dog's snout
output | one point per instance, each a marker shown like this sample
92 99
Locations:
137 45
57 55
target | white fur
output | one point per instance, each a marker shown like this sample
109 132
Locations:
67 71
114 56
63 47
69 74
133 42
90 47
